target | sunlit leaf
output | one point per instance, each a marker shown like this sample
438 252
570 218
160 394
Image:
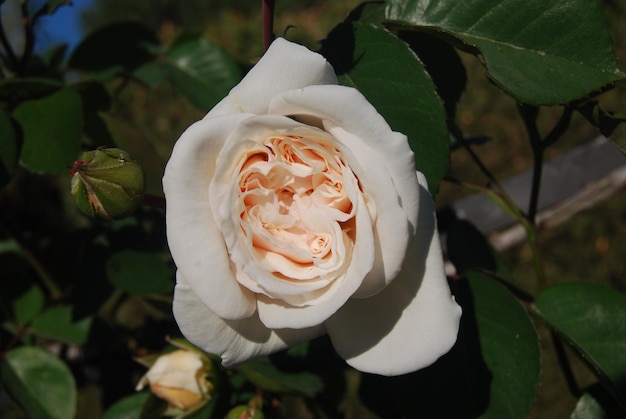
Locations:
393 79
56 323
539 52
140 273
52 130
593 319
201 71
41 383
28 305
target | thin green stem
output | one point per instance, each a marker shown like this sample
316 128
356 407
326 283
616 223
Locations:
529 116
47 280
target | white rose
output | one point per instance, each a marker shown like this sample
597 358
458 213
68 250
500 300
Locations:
178 377
290 209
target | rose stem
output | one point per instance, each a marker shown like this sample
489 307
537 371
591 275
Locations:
267 11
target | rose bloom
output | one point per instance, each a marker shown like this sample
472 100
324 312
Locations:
293 210
179 378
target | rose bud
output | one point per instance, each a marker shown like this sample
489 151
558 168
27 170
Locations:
179 378
107 183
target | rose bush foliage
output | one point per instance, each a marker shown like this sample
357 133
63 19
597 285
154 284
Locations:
293 210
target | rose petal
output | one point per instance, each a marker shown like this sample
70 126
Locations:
194 239
412 322
386 161
348 108
284 66
235 341
277 314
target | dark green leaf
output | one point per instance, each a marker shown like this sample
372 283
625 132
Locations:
124 44
56 323
611 125
15 91
266 376
593 319
28 305
140 273
9 148
41 383
201 71
127 408
52 130
529 47
507 336
442 63
394 80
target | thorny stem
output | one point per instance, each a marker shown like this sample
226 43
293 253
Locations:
267 11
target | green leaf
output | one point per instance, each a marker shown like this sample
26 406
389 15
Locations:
393 79
140 273
124 44
538 52
611 125
15 91
28 305
507 336
9 148
593 320
41 383
127 408
52 130
266 376
201 71
56 323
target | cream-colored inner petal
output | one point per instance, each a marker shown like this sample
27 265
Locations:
295 209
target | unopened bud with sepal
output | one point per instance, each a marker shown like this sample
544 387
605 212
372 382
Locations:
107 183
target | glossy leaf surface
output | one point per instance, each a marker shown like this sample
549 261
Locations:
539 52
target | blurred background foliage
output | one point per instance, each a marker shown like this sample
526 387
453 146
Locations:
93 314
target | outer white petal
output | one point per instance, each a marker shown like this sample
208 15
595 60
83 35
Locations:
235 341
284 66
412 322
195 241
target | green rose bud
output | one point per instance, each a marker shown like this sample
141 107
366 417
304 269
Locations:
107 183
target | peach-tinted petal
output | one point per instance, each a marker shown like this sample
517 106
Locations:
412 322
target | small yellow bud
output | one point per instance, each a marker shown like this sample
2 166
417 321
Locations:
107 183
